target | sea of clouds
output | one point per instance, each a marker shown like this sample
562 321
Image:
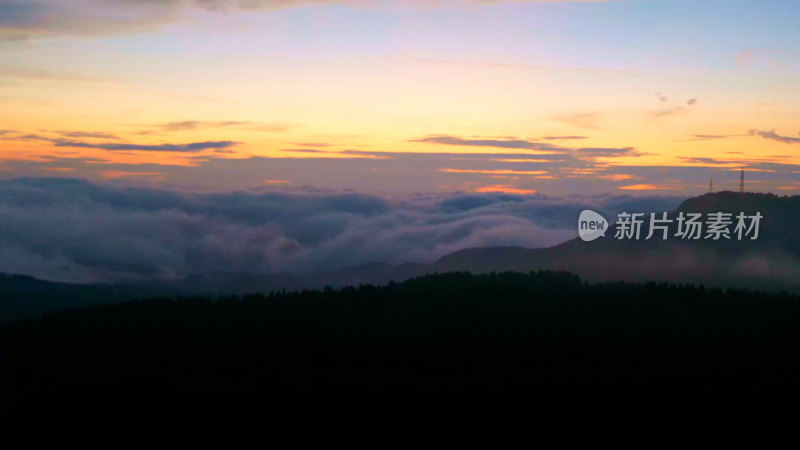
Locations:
74 230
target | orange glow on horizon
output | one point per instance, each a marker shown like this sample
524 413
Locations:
646 187
499 188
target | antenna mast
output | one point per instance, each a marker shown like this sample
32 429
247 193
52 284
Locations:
741 182
711 185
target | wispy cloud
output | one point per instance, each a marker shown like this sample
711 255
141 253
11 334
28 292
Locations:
404 172
87 134
606 152
668 112
195 124
456 155
617 177
773 136
190 147
312 144
117 174
305 150
728 163
564 138
701 160
187 125
120 146
499 143
21 19
711 137
496 171
679 108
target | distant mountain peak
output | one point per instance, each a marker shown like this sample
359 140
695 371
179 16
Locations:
729 201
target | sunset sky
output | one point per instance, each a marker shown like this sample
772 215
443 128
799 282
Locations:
554 97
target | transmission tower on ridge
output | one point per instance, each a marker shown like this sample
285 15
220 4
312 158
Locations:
711 185
741 182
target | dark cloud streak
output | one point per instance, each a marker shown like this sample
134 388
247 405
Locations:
773 136
607 152
184 148
195 124
499 143
564 138
87 134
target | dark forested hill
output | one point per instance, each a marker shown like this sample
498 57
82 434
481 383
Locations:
23 296
451 347
771 262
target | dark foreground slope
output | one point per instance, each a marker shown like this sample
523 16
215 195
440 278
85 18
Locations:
441 348
23 296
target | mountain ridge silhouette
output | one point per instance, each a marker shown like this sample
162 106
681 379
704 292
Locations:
772 263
